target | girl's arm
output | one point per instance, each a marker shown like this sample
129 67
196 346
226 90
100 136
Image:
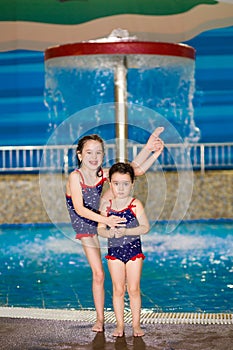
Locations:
147 156
75 191
142 163
142 229
108 192
102 228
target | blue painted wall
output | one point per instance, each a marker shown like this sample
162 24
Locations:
214 84
24 118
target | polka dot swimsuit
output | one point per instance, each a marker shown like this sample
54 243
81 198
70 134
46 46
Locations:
128 247
91 199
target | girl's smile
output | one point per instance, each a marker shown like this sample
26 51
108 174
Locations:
92 154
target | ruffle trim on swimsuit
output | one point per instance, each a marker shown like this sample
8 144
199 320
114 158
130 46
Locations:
138 256
81 235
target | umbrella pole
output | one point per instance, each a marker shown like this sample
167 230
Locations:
121 120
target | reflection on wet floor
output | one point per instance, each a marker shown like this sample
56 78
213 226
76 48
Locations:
27 334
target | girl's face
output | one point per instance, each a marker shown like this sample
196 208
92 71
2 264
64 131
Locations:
121 185
92 155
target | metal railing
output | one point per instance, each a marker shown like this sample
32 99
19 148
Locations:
200 156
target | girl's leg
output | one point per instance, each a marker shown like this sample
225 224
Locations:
92 250
117 272
133 276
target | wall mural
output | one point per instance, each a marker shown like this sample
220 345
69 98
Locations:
37 24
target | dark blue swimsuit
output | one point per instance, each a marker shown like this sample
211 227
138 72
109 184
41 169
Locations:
128 247
91 199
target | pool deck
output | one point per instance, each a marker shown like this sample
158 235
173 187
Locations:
38 329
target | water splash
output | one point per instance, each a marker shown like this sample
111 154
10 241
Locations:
163 83
116 35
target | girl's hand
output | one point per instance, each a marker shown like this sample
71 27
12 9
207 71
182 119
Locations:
111 232
154 143
120 232
113 221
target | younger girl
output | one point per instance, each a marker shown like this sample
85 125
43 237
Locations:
125 255
83 191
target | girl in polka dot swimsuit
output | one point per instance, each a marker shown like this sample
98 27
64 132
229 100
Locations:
125 255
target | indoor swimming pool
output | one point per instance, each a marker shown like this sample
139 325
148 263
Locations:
188 270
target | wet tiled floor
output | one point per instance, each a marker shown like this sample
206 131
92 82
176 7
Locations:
36 329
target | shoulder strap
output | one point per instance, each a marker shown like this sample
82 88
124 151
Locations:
103 179
81 175
131 205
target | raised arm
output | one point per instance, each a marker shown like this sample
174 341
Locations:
145 157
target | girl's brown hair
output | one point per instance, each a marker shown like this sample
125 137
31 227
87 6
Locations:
122 168
83 141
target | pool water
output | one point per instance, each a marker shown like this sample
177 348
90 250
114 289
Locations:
189 270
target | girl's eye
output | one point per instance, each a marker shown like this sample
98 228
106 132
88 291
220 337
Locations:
125 184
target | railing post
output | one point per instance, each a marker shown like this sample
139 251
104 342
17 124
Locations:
202 149
66 161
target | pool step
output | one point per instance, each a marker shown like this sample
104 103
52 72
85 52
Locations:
147 317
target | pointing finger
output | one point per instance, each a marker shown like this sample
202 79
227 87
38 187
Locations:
158 131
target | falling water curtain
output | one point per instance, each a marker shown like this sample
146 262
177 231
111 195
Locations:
37 24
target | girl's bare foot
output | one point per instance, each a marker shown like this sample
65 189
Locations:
118 332
98 326
138 332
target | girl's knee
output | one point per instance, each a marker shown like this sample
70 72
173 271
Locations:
119 290
133 291
98 276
